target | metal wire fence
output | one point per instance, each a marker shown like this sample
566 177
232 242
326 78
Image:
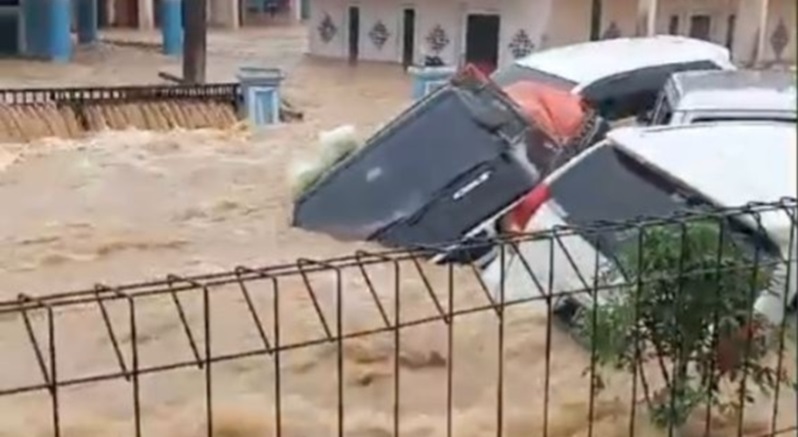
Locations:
602 329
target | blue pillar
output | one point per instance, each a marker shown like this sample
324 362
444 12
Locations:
172 26
87 21
59 37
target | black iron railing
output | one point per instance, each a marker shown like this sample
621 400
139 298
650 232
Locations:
519 338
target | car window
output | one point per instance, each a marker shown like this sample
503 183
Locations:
608 185
514 73
633 93
663 112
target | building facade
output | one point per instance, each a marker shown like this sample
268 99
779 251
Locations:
229 14
498 31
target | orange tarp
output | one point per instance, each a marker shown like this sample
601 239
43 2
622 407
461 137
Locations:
558 113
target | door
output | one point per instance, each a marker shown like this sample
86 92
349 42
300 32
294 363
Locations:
102 14
354 33
408 36
731 23
700 26
126 13
304 12
9 31
482 41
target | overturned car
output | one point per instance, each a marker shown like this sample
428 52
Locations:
449 165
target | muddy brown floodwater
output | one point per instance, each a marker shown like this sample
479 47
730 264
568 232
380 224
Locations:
132 205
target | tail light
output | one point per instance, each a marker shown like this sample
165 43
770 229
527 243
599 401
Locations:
520 215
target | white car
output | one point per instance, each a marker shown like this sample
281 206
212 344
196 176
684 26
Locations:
700 96
622 76
651 171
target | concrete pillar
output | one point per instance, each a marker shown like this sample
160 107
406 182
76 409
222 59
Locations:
296 10
146 18
651 18
646 24
59 37
172 27
762 34
87 21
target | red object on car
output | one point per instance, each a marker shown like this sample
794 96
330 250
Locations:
562 117
522 212
558 113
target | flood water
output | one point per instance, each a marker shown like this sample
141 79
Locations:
135 205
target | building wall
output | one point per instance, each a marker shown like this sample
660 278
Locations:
682 11
519 17
745 32
619 18
449 15
547 23
224 13
560 29
781 13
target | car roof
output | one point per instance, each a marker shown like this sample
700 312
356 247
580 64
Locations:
732 164
589 62
744 90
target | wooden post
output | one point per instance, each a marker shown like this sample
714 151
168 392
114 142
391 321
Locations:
195 42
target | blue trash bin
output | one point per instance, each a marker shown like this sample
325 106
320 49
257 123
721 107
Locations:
260 88
426 79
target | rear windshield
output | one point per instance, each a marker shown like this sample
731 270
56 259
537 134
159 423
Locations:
515 73
609 185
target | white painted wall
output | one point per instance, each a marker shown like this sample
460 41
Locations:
223 13
336 47
561 28
532 16
549 23
781 10
451 15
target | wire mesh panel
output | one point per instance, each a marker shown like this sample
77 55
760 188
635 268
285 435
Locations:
668 326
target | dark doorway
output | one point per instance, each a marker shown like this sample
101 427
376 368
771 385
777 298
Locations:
673 25
354 33
700 26
482 42
731 23
102 14
595 20
408 36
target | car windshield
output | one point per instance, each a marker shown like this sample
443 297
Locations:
515 73
608 185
